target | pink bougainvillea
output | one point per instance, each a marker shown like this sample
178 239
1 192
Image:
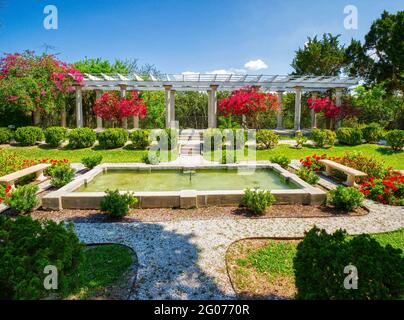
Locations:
114 108
29 82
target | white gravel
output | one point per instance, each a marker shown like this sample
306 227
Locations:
186 259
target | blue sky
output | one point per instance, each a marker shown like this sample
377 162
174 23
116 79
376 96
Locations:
184 35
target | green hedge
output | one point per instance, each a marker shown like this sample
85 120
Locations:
372 133
323 138
321 259
5 135
140 139
29 136
395 139
113 138
349 136
82 138
27 246
55 136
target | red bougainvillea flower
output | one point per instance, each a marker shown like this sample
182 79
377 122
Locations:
246 101
114 108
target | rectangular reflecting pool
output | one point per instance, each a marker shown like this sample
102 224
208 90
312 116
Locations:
177 180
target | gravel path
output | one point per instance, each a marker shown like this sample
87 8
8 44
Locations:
186 259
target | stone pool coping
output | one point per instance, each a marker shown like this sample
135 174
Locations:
66 198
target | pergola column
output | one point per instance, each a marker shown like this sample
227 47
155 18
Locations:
98 94
170 105
63 121
212 106
79 107
123 95
313 114
279 115
298 107
338 102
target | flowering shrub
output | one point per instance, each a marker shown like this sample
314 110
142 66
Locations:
248 101
387 190
313 163
325 105
4 192
114 108
31 83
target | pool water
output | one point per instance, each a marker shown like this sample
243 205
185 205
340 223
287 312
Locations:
176 180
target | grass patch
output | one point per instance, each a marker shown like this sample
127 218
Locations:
262 268
102 267
392 159
109 156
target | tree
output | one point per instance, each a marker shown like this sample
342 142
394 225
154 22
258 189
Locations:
114 108
324 57
34 84
380 58
248 102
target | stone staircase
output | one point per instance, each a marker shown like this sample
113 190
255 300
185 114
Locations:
190 143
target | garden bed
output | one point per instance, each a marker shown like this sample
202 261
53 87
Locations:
263 268
160 215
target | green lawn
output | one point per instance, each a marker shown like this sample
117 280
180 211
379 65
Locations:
114 155
257 269
391 158
102 267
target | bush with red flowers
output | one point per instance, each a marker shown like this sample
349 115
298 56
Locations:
387 190
111 107
250 102
312 162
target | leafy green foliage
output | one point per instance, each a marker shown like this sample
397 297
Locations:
257 200
29 136
61 174
321 259
372 166
323 138
92 161
113 138
140 139
267 139
151 158
116 204
349 136
308 175
345 198
300 139
23 199
26 247
82 138
395 139
320 57
372 133
213 139
384 40
283 161
54 136
5 135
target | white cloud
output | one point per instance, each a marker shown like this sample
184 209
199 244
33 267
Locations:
255 65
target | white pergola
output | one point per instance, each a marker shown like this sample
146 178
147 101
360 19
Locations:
211 83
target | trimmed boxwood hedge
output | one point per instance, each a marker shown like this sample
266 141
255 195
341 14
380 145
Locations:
5 135
321 260
349 136
82 138
113 138
54 136
29 136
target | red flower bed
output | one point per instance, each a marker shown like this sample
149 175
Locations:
387 188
